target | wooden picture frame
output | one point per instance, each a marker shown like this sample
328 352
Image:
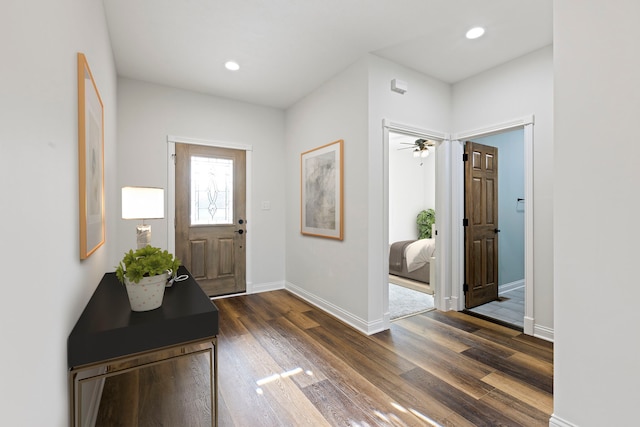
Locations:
321 191
90 161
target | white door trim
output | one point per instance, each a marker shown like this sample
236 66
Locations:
497 128
171 190
457 188
413 130
457 231
442 202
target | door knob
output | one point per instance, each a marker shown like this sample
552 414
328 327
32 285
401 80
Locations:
496 230
240 231
241 221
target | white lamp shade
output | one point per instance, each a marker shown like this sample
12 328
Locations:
142 203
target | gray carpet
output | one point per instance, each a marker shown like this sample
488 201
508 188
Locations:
405 302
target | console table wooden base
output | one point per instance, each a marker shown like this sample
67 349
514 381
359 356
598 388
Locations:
121 365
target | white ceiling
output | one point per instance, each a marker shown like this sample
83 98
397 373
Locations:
287 48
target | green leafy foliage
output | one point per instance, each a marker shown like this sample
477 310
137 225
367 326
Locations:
145 262
426 218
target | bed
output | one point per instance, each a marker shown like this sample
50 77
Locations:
410 259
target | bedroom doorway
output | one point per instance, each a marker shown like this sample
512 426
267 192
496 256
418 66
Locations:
411 223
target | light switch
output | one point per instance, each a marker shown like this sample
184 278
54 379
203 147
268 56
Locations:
266 205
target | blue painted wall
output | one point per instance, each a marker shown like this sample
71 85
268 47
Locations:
510 213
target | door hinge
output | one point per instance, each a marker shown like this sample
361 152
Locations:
465 222
173 156
465 287
465 157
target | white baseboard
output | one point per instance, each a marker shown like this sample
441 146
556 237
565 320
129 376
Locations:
254 289
451 303
556 421
356 322
264 287
543 332
506 287
529 325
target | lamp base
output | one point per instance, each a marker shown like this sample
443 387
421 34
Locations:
143 235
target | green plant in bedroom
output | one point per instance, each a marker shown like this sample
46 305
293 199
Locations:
426 218
146 262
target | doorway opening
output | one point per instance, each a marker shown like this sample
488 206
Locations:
411 224
494 284
411 201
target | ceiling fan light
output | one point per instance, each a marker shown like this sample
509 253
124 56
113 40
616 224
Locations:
424 152
416 153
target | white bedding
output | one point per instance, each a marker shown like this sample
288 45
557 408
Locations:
419 253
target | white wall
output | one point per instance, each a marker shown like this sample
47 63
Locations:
46 286
596 176
516 89
412 188
329 272
147 113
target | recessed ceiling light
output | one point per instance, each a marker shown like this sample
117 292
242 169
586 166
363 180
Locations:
232 65
475 32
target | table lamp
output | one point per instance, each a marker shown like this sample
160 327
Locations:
142 203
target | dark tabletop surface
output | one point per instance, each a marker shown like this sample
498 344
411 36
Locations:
107 328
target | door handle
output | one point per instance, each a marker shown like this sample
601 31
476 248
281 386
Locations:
239 231
496 230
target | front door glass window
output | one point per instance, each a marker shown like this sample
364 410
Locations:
211 191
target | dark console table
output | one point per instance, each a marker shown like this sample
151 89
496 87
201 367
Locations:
110 339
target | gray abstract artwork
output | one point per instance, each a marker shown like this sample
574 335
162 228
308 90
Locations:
320 188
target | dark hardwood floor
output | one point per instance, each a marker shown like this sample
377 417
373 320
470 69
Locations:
283 362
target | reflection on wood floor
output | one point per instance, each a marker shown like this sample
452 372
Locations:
283 362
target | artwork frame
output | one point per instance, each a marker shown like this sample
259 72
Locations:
322 191
90 161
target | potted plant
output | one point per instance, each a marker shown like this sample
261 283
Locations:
145 272
425 220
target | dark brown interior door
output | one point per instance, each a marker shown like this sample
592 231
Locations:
210 216
481 219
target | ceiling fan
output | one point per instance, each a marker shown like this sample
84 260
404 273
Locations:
420 147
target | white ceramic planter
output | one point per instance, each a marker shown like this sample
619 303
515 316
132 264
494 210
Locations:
148 293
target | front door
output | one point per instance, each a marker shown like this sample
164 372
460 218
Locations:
481 220
210 216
